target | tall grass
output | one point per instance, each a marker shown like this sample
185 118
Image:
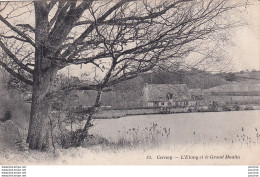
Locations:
152 136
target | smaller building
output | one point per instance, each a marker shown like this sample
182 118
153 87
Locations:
165 95
240 93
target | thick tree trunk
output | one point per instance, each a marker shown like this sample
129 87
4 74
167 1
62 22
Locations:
39 126
44 72
38 135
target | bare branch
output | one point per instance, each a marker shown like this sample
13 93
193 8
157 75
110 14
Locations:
15 74
50 5
27 26
13 57
58 11
91 27
17 31
13 37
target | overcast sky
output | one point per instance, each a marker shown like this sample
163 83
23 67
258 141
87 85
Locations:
246 50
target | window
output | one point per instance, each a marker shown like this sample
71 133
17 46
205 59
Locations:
169 96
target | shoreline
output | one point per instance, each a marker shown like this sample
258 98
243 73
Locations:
120 113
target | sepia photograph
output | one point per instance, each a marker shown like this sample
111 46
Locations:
130 82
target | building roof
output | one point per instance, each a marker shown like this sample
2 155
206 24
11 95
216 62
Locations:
195 91
240 87
159 92
237 89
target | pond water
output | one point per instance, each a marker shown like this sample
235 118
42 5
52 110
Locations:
229 128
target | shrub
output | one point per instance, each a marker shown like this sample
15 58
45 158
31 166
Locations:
213 107
248 107
226 108
236 107
12 107
72 138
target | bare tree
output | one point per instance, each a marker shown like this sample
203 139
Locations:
120 39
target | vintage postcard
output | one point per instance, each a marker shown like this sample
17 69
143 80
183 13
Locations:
126 82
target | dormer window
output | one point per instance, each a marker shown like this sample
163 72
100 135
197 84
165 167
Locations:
169 96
